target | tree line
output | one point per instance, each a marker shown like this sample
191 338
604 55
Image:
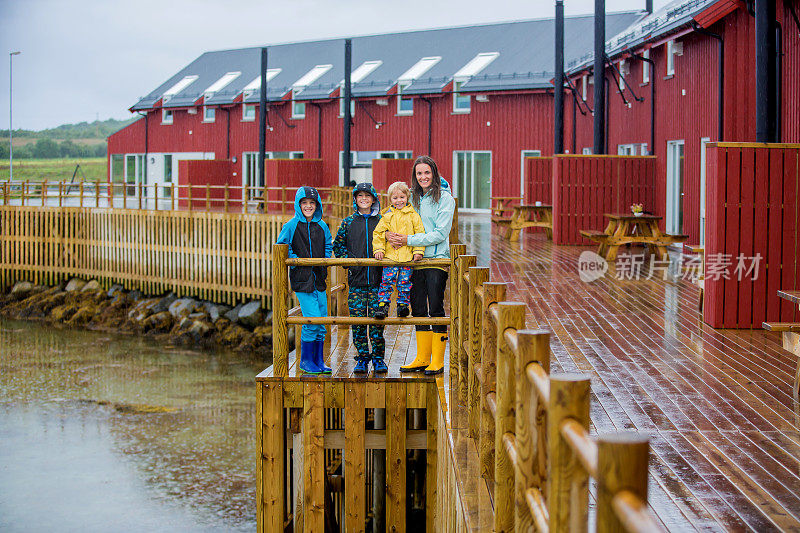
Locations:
99 129
52 149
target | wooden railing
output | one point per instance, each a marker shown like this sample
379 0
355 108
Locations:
168 197
532 427
223 257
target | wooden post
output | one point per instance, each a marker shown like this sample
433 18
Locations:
621 464
155 197
432 490
24 191
227 196
80 193
44 193
97 193
455 251
60 193
110 194
314 457
208 197
534 347
355 456
492 293
271 469
283 199
477 277
280 333
189 192
395 456
568 483
465 262
511 315
140 195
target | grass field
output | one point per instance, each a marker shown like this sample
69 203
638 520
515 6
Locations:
92 169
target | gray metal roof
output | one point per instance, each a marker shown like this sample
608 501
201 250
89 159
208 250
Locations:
525 61
669 19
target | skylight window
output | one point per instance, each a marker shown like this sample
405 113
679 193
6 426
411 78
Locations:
366 68
477 64
311 76
256 83
421 67
178 87
221 83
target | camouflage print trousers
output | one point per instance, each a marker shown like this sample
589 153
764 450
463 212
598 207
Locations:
364 302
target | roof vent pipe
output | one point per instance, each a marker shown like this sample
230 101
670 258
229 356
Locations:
348 59
599 76
765 71
558 146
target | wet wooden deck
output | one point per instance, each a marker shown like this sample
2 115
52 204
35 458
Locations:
716 404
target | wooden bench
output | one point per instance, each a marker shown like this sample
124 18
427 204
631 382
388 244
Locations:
597 236
791 327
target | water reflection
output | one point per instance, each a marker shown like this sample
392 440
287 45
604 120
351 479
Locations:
100 432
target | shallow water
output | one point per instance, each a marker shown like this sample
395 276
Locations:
102 432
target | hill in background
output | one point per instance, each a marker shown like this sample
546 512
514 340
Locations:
85 139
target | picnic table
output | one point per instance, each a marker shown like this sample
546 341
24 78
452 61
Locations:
528 216
503 204
631 229
790 333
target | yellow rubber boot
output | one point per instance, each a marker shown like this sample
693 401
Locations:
423 358
437 354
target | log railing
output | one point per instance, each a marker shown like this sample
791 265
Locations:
532 427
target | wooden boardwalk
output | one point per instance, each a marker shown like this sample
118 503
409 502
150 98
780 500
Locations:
717 404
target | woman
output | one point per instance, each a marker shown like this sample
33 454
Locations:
432 199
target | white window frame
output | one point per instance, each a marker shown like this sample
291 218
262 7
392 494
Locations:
458 97
400 111
297 106
585 86
586 151
522 155
167 116
213 116
643 149
626 149
703 161
352 107
673 49
623 68
645 67
245 107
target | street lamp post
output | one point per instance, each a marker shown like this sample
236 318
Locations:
10 110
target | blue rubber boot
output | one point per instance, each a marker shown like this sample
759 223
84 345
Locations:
319 360
362 365
308 358
379 365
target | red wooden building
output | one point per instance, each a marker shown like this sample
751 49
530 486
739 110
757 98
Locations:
478 99
684 76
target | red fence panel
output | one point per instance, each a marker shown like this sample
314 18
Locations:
584 188
290 174
538 180
752 233
387 171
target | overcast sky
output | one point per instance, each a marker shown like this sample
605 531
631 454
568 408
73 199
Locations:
83 60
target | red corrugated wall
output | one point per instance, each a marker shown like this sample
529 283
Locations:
753 210
387 171
216 174
587 187
538 180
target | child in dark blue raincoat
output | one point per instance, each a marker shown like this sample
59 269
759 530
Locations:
308 236
354 239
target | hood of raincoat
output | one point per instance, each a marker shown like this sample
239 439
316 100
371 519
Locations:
367 187
307 192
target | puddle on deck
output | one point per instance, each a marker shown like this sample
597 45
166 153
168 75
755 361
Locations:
103 432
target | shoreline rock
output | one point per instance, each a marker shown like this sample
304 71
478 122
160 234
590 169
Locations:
184 321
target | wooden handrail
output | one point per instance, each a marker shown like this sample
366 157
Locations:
633 513
357 261
538 509
584 448
364 321
540 380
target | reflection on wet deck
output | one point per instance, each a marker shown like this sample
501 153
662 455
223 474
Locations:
717 404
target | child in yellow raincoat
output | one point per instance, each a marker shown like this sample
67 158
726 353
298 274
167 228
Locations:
399 218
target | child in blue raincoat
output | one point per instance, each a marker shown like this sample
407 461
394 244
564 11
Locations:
308 236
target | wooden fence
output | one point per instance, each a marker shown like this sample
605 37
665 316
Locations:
752 222
223 257
585 187
531 428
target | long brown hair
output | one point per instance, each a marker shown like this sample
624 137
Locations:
436 184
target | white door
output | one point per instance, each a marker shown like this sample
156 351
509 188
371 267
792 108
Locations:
703 142
134 173
674 220
473 179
